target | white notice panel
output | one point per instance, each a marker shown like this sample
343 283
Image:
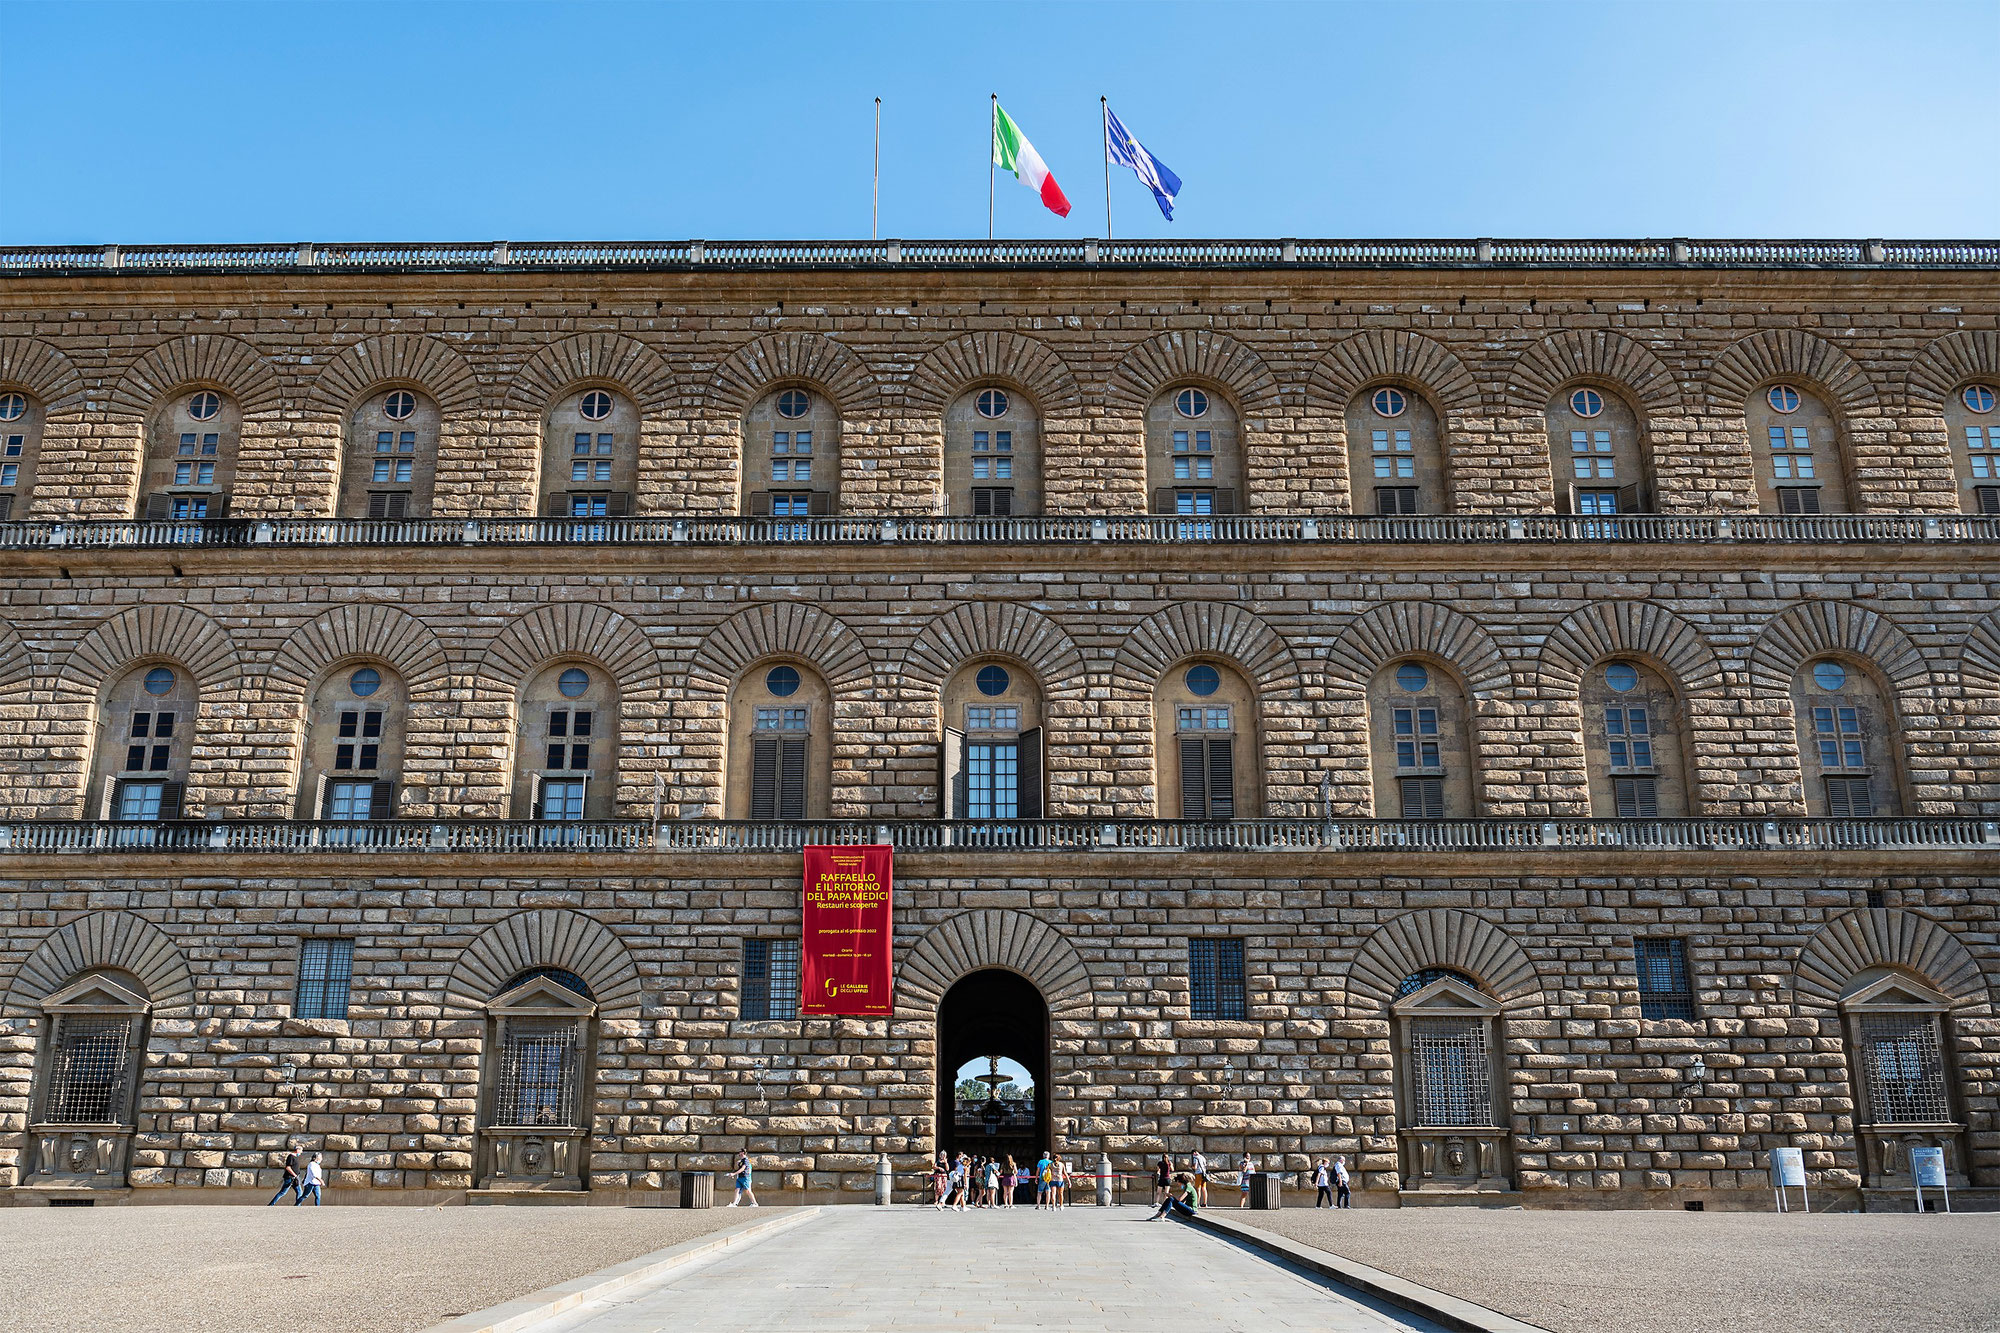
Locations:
1788 1167
1927 1165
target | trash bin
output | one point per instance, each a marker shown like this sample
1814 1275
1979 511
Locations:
697 1189
1264 1190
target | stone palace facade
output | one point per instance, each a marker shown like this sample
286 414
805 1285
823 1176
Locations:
1524 715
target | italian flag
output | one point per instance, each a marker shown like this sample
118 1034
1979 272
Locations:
1012 150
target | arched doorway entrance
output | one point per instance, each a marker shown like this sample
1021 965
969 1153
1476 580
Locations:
993 1015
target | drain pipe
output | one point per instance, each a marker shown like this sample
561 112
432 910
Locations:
884 1179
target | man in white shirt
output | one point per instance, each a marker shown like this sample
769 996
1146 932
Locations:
314 1179
1340 1182
1200 1166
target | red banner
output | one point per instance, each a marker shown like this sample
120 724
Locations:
849 924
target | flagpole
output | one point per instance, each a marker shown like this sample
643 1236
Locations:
1104 106
875 201
992 129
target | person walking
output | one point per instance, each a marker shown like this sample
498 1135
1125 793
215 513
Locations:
1163 1179
745 1173
1340 1182
1323 1180
1244 1170
1200 1166
314 1178
961 1180
295 1182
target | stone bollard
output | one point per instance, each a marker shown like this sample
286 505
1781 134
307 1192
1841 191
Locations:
885 1179
1104 1180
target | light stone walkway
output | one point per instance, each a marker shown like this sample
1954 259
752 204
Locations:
857 1268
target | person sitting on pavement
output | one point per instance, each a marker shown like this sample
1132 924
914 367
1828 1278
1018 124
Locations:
1180 1199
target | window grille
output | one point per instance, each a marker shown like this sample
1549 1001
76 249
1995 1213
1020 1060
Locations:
87 1078
1904 1067
538 1072
1665 988
1424 976
1450 1079
326 971
770 979
1215 972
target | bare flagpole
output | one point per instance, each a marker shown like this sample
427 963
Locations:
875 202
992 131
1104 105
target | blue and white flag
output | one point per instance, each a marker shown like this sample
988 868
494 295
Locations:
1123 150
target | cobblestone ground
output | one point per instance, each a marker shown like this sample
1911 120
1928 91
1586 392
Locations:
1675 1272
225 1269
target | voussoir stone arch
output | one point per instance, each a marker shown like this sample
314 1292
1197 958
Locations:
1808 630
975 358
1979 659
1789 354
1206 629
777 358
572 629
175 633
40 370
1194 354
1947 362
780 629
386 633
973 941
548 937
1392 354
1593 354
1416 629
1642 629
16 667
1005 629
1442 937
1870 937
104 939
431 364
585 357
227 363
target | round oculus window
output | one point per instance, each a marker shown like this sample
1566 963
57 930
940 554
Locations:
1412 678
595 405
782 681
1783 398
204 405
398 405
1829 676
992 402
365 681
1191 403
796 403
992 680
573 682
1390 402
1978 397
13 405
1621 676
1586 402
159 680
1203 680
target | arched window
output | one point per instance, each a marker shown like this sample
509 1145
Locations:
88 1067
354 744
791 455
1632 742
1898 1034
1801 459
145 738
992 454
1450 1084
391 463
191 456
780 743
1972 416
538 1082
21 420
590 455
1598 451
1395 453
566 749
1194 454
1849 744
1205 740
991 758
1420 743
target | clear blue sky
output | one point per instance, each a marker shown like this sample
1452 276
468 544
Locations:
363 121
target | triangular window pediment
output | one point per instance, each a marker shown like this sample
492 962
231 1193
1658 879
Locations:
96 994
1896 991
539 997
1447 996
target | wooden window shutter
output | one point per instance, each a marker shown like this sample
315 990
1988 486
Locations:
1798 499
382 801
6 507
1422 798
1163 500
1003 501
1194 779
320 797
618 505
1225 501
218 505
1222 779
172 795
792 781
1849 798
557 505
1986 499
159 507
982 501
951 775
109 803
764 777
378 504
1635 798
1628 500
760 504
1565 498
1028 782
819 503
534 795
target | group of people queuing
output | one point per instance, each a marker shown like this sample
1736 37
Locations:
992 1182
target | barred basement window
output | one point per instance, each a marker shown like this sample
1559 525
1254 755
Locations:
1450 1069
1215 977
88 1076
326 969
770 979
538 1072
1665 988
1903 1064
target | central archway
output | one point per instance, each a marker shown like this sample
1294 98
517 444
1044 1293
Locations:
994 1014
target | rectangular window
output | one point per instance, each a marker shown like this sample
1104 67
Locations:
1396 499
388 504
1636 798
1597 502
187 507
1194 503
1986 499
140 802
993 780
88 1073
326 967
1848 798
1590 455
1903 1063
187 446
781 719
778 774
1393 454
1798 500
1837 730
1215 979
992 501
562 800
1422 798
1203 719
770 979
1416 732
1001 717
346 801
1628 733
10 474
1984 446
791 504
1665 988
1796 461
569 739
16 445
1208 777
1194 456
1450 1074
537 1075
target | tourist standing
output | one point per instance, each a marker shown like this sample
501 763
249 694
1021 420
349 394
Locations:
295 1181
1244 1170
1200 1166
744 1173
1012 1181
1323 1181
1340 1183
992 1184
940 1180
1163 1179
314 1178
1044 1174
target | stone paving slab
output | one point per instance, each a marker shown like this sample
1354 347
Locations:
1676 1272
223 1269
